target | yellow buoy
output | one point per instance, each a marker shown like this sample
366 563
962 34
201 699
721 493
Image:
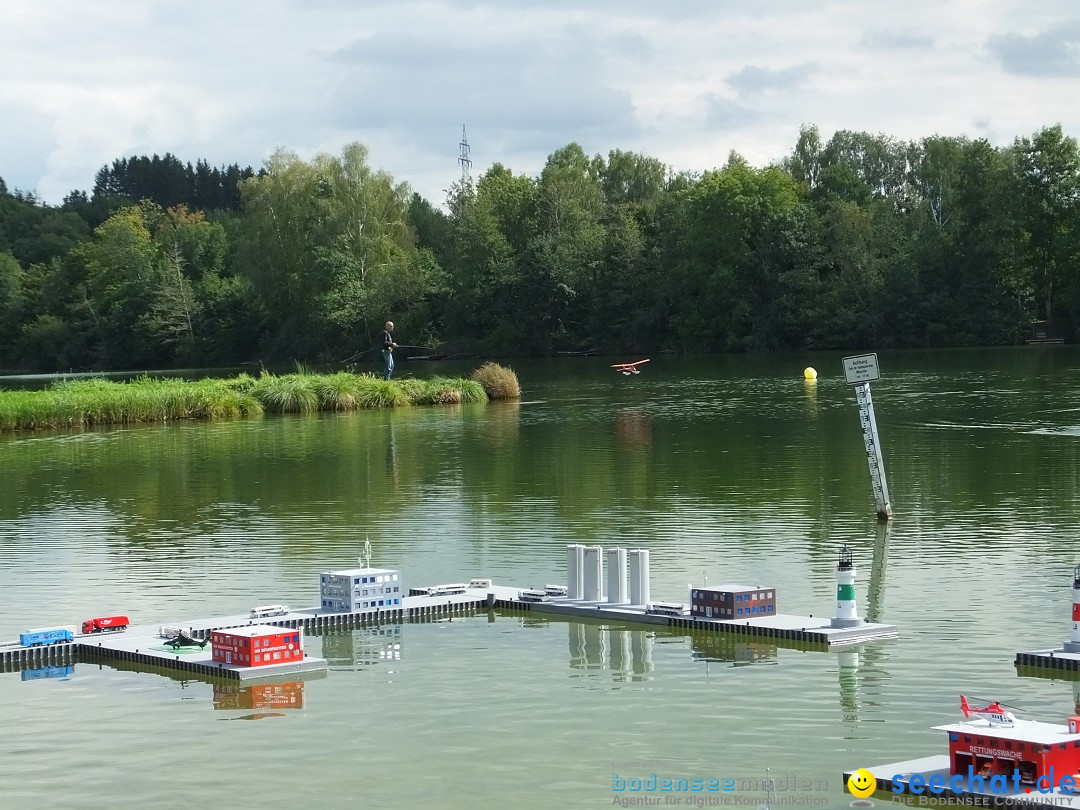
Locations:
809 373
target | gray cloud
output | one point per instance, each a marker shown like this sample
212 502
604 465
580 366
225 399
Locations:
25 148
754 79
671 80
1054 52
527 92
727 115
896 40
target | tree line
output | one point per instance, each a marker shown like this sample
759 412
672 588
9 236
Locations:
859 242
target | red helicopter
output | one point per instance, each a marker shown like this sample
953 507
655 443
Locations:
994 713
629 368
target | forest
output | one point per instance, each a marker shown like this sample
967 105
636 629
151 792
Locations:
859 242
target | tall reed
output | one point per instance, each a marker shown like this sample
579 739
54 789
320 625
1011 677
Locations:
79 403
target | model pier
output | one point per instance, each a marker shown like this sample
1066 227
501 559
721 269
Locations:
268 641
1067 656
750 610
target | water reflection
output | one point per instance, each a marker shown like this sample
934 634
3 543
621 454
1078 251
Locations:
633 428
875 592
627 654
812 407
361 648
848 664
286 695
725 648
44 673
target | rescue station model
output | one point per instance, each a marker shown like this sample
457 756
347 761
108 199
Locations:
268 641
992 754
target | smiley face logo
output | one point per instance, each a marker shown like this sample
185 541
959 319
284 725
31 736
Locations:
862 783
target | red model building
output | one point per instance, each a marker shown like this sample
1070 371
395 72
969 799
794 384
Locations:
994 743
257 645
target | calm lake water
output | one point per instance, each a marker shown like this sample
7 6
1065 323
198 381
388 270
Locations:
730 468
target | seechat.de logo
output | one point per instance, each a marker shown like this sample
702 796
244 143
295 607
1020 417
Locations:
862 783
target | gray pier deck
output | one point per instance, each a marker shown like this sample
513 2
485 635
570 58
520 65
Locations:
141 645
781 626
939 765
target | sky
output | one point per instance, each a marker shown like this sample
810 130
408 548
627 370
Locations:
231 81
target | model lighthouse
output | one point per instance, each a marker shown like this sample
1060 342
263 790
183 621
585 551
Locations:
846 614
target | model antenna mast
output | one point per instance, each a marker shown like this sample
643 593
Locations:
463 158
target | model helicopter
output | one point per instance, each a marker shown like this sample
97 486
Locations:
629 368
182 639
994 713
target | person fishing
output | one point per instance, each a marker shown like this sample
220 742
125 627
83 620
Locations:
386 342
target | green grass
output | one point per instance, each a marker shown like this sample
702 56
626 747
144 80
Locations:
84 403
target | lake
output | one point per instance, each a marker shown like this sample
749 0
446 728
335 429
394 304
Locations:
725 468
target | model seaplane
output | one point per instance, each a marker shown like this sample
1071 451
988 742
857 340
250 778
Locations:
629 368
994 713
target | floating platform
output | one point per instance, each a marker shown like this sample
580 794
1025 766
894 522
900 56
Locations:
142 645
150 651
1049 659
781 626
939 766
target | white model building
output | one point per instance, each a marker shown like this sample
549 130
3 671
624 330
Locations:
361 590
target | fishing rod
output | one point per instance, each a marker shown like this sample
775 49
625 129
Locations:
368 351
358 354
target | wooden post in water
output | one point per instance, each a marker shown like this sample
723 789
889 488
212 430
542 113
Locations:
860 371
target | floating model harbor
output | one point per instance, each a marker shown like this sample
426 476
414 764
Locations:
269 641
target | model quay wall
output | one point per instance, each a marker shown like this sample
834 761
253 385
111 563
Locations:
374 595
14 657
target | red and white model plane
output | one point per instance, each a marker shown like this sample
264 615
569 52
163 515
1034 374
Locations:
629 368
994 713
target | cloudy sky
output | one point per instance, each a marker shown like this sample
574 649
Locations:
83 82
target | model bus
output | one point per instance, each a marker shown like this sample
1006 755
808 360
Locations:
169 631
533 596
44 636
665 609
555 590
265 611
480 583
445 590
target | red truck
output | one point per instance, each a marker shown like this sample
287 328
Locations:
105 624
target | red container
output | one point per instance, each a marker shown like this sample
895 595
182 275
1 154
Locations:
105 624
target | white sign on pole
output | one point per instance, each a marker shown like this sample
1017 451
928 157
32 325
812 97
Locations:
859 371
861 368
